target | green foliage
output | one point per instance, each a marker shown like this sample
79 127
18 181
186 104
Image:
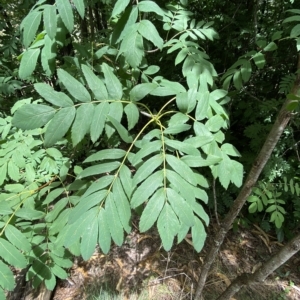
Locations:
99 124
268 198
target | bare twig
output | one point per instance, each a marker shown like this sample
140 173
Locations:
215 201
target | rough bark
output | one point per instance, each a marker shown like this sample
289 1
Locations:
265 270
279 125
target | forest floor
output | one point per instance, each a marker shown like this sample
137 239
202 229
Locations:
142 270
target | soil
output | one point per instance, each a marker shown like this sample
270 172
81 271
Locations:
142 267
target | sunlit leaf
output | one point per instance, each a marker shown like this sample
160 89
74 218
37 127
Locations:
50 20
168 226
198 235
28 62
65 11
81 125
74 87
152 210
62 120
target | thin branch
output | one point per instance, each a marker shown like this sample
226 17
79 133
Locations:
215 202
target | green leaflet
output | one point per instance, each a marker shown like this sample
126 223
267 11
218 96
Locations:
121 130
152 210
13 171
95 84
30 26
223 171
65 11
11 254
79 4
55 98
77 229
119 7
183 231
199 141
259 60
50 20
132 114
89 239
115 111
198 235
114 224
100 113
99 169
186 101
60 222
74 87
126 180
81 126
106 154
7 280
178 118
99 184
197 161
150 6
230 150
50 283
168 88
215 123
58 271
153 68
122 205
236 173
28 62
180 207
5 208
48 56
198 209
30 214
17 238
182 169
54 194
175 129
132 47
30 173
140 91
202 106
246 71
39 269
114 87
104 238
147 188
31 116
146 150
182 146
168 226
62 120
147 168
149 32
3 170
182 186
58 207
127 20
61 260
201 130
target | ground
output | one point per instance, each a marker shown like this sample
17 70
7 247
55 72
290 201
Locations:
142 270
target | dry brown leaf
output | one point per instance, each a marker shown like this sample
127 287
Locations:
224 278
